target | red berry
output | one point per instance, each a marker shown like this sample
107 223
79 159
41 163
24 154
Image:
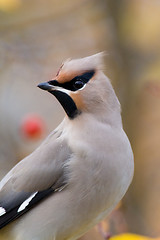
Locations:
32 126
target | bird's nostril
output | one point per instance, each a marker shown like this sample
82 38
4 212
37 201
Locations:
53 83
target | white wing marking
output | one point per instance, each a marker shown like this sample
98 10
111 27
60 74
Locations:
26 202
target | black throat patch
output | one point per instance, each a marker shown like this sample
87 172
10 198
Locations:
67 103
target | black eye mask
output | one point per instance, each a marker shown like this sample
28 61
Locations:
76 83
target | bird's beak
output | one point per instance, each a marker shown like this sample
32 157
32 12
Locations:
46 86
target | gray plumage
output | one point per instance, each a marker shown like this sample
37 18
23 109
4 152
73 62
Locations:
86 163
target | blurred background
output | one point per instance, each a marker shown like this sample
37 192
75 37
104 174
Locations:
35 37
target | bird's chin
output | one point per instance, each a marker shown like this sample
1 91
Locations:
63 96
67 103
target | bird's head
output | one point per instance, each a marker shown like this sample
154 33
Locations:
80 86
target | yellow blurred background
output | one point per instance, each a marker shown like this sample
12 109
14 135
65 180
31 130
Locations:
35 37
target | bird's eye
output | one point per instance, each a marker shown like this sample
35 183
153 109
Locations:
78 84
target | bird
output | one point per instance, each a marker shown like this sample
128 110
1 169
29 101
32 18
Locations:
80 172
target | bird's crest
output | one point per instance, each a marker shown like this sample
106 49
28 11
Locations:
74 67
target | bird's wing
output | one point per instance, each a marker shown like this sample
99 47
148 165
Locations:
34 178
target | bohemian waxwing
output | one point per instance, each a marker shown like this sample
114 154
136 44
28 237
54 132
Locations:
81 171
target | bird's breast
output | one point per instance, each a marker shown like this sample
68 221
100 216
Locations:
101 167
